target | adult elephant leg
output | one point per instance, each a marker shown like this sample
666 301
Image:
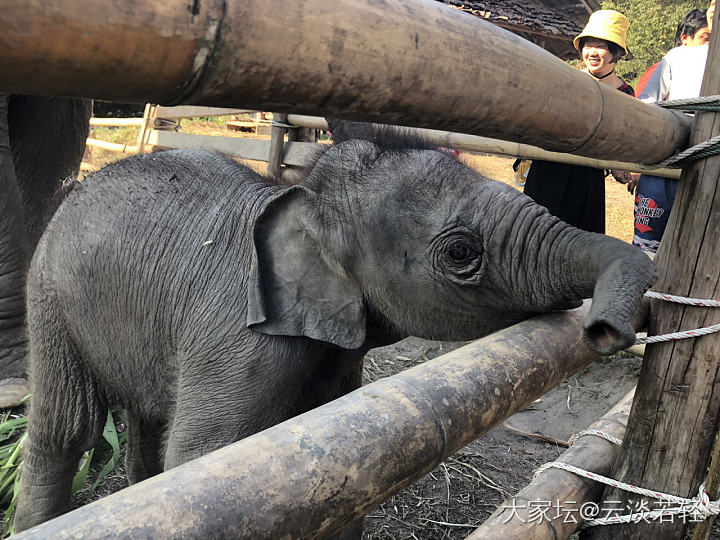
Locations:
13 264
47 137
42 141
144 444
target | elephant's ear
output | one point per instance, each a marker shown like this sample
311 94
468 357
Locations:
293 288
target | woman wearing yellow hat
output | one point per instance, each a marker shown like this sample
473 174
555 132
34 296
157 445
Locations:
574 193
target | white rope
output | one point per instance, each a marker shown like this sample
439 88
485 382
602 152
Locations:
700 302
682 300
680 103
698 508
697 151
596 433
679 335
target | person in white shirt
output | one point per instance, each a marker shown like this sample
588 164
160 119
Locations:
678 76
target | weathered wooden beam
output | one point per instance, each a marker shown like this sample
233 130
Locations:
277 141
565 491
187 111
313 474
677 404
416 63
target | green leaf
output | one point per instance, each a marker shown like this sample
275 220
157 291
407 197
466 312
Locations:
9 522
110 434
81 476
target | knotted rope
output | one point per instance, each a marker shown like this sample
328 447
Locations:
700 302
698 508
699 151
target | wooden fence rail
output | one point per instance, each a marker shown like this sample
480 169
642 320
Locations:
405 64
273 484
299 153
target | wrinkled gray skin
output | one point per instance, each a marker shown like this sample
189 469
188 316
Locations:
213 304
42 141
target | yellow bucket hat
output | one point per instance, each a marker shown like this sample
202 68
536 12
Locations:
606 24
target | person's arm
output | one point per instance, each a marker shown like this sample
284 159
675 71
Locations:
658 86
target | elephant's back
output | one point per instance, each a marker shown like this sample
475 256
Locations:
171 198
143 248
167 181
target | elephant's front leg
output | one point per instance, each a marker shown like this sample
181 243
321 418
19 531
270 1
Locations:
13 261
46 485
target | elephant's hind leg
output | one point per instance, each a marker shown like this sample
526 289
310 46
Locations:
66 417
144 448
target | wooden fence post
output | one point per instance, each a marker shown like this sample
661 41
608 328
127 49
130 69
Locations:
676 410
277 142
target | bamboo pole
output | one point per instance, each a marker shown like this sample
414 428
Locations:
312 474
565 491
116 122
111 146
677 405
398 62
473 143
148 120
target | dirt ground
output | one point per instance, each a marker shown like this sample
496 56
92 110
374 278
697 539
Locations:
462 492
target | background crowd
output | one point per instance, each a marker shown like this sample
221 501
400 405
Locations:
576 194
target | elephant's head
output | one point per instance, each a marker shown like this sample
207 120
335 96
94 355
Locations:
408 238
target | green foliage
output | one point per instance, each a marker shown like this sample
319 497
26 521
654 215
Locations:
12 437
652 31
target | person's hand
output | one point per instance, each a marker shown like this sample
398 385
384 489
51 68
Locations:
620 176
627 178
632 184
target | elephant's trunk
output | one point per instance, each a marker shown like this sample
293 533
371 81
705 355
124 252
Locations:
571 264
624 273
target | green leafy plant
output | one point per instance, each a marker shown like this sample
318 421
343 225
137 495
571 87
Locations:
12 437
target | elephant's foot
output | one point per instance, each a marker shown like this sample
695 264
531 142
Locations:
12 391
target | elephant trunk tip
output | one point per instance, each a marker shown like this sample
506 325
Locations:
606 337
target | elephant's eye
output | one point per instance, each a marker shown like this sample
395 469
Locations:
461 252
460 255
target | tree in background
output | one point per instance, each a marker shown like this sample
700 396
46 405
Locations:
652 31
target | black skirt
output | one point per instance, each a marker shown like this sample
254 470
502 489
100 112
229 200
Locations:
573 193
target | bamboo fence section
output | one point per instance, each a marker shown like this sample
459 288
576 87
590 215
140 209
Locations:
405 64
232 146
402 427
514 520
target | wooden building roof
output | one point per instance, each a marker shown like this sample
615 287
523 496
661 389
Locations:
551 24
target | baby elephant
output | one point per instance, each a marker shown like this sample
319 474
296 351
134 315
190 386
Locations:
212 303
